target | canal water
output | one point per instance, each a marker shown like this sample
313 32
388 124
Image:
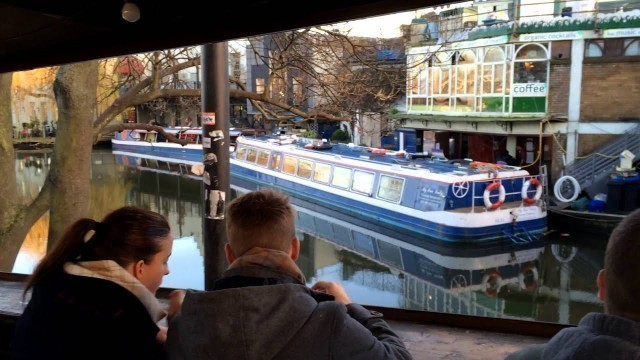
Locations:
550 279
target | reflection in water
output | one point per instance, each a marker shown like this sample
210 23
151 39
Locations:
544 280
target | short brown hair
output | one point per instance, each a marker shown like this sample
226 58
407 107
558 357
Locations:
621 265
262 218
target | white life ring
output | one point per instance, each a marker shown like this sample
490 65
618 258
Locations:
487 193
525 189
558 187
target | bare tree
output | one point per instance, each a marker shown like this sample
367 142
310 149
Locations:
313 74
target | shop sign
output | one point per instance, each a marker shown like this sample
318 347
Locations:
498 40
565 35
529 89
619 33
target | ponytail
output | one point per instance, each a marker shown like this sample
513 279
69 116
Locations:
69 248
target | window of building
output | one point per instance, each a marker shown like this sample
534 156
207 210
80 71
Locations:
322 172
480 80
390 188
341 177
363 182
260 85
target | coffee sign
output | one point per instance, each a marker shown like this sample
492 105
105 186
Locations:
529 89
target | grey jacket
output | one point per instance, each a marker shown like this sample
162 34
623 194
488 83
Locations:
281 319
597 336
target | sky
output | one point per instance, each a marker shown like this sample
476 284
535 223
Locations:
386 26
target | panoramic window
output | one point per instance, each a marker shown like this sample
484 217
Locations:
252 154
263 158
363 182
341 177
276 159
390 188
241 153
290 165
322 173
304 168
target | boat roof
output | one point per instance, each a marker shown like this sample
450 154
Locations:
398 160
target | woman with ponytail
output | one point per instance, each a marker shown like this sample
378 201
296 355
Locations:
93 295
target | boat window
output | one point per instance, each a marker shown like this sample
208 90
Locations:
341 177
276 160
304 168
363 182
322 172
241 153
390 188
252 154
263 158
290 165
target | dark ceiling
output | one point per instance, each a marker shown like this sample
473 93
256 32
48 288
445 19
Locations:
36 33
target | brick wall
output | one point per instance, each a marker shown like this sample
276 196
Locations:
587 143
610 91
559 88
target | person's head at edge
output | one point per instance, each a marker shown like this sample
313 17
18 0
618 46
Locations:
618 282
264 219
138 240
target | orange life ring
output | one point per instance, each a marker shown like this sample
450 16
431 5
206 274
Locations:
487 193
491 283
525 189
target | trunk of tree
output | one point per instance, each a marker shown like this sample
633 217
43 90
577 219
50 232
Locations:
75 88
9 194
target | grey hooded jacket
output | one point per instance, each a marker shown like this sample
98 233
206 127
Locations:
280 319
597 336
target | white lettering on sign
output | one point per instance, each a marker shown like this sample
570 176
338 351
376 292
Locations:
529 89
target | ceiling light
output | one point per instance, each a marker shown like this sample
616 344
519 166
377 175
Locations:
130 12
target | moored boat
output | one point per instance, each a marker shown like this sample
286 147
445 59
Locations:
459 201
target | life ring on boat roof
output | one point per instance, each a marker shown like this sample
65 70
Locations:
528 277
487 194
525 188
491 283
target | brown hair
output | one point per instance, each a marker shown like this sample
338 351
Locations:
621 269
126 235
262 218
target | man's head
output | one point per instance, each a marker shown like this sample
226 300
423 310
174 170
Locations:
619 283
262 218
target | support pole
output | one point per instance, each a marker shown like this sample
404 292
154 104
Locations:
215 147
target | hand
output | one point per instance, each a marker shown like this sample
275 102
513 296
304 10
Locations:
161 336
176 297
332 288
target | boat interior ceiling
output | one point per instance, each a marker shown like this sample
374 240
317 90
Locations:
37 33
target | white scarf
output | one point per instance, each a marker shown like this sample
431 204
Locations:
111 271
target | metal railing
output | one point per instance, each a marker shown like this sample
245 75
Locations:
594 168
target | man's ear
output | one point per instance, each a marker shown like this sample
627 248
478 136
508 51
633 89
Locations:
229 253
294 250
602 284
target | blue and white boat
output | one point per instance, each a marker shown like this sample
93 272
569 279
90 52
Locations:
449 201
452 201
151 143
